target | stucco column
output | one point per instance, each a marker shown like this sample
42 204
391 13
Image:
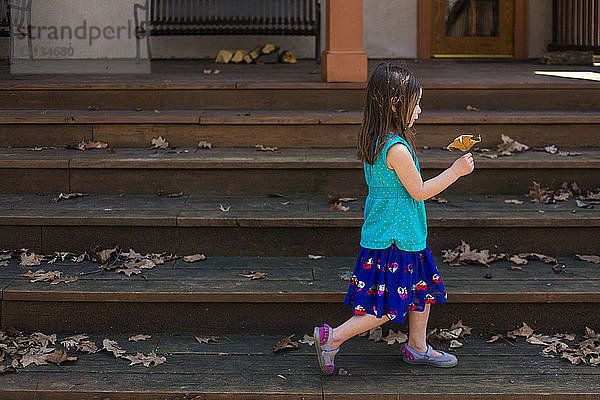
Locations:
344 58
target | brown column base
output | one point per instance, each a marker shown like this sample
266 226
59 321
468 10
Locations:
344 66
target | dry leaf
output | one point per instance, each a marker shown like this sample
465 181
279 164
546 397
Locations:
112 347
339 207
469 107
67 196
466 330
518 260
159 143
438 199
262 148
509 145
65 279
307 339
285 343
223 208
205 339
513 201
541 257
392 337
58 356
463 142
539 194
140 358
314 257
455 344
524 331
137 338
204 145
375 333
194 257
254 274
590 259
464 255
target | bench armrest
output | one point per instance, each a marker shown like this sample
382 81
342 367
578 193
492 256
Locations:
141 25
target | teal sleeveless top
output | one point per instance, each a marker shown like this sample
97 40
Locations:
391 214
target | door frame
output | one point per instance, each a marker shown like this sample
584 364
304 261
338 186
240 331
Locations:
424 25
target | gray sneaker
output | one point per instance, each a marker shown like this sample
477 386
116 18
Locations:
412 356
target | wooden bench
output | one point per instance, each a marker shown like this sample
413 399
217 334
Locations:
227 17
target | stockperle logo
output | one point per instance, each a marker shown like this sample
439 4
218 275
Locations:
84 32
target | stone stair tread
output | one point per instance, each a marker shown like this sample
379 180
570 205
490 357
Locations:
264 211
283 117
241 365
285 158
294 279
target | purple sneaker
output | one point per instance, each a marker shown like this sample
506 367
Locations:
412 356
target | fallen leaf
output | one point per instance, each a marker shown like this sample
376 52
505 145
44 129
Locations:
194 257
464 255
140 358
307 339
541 257
254 274
112 347
159 143
463 142
509 145
262 148
454 344
285 343
524 331
314 257
205 339
590 258
538 194
204 145
513 201
137 338
393 337
518 260
339 207
58 356
30 260
223 208
438 199
469 107
466 330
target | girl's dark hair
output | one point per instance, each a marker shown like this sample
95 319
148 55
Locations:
386 82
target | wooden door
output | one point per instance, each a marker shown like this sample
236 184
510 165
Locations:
472 28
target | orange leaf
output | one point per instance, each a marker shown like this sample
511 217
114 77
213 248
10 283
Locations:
463 142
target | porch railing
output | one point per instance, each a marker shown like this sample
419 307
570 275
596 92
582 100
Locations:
576 25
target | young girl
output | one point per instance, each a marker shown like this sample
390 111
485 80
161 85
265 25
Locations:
395 273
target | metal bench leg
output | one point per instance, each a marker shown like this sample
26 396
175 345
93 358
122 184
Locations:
12 46
148 46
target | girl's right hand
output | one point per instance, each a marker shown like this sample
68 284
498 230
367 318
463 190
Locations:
464 165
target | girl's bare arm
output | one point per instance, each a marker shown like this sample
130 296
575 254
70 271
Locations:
400 159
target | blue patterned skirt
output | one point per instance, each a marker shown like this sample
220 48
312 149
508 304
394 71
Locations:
392 281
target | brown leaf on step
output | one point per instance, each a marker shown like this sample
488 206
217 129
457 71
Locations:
337 199
315 257
455 344
342 371
58 356
524 331
463 142
140 358
375 333
285 343
285 203
307 339
539 194
204 145
159 143
339 207
64 279
112 347
469 107
574 359
30 259
80 343
464 255
466 330
129 271
260 147
194 257
93 108
518 260
515 268
509 146
41 276
541 257
102 256
35 356
223 208
590 258
393 337
67 196
137 338
254 274
205 339
490 155
440 200
513 201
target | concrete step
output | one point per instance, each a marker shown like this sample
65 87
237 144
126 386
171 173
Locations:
498 370
289 171
306 225
183 297
285 128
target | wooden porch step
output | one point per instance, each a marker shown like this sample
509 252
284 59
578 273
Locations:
305 225
186 94
288 171
178 296
214 371
284 128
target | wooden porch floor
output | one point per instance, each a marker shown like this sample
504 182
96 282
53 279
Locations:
432 73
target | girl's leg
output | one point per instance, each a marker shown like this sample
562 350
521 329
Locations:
417 329
354 326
